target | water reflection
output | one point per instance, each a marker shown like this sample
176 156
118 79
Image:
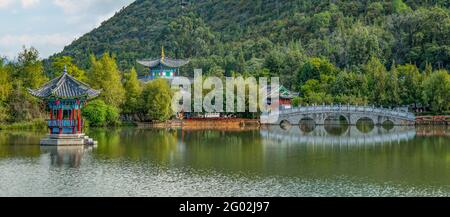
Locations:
65 156
365 125
402 154
337 135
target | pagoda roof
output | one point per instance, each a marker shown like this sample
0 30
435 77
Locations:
165 61
168 62
66 87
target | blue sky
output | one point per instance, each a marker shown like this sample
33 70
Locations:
49 25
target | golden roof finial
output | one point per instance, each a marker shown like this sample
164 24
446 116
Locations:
163 56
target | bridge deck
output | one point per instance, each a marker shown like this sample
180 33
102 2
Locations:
352 109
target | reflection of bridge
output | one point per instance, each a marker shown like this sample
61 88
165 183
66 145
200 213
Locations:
351 113
349 136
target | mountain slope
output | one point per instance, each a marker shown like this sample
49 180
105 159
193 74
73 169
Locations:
240 35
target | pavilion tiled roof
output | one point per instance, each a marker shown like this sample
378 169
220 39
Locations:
172 63
66 87
165 61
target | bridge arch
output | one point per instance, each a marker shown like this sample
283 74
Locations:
336 118
285 125
365 125
388 124
307 124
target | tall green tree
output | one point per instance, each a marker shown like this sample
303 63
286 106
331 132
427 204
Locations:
66 61
314 68
105 75
313 93
350 88
5 90
410 83
5 82
30 69
392 88
436 91
377 78
133 90
157 98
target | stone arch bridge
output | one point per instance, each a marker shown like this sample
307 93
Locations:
351 113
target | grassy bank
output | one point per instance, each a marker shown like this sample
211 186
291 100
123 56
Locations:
38 124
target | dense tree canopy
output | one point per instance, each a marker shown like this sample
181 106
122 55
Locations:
387 53
230 33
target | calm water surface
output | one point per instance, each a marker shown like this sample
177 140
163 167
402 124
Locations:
335 160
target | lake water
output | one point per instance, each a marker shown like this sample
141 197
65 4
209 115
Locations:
335 160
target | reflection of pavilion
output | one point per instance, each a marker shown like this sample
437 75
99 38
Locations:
349 135
69 156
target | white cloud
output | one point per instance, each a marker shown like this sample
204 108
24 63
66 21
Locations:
29 3
51 24
5 3
52 39
46 44
90 6
89 14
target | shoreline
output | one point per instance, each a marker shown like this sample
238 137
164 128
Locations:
218 123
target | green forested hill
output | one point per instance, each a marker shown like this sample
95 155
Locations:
374 52
247 36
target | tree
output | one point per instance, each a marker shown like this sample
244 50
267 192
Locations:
436 91
350 87
105 75
399 6
5 82
377 78
66 61
5 91
392 88
30 69
157 98
313 94
410 84
133 92
22 106
314 68
99 114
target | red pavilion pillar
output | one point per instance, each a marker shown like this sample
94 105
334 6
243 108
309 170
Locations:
60 114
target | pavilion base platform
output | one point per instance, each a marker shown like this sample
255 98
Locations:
67 140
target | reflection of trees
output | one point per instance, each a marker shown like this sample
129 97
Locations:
365 125
224 150
336 129
18 143
135 144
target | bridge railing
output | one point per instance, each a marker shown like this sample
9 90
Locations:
350 108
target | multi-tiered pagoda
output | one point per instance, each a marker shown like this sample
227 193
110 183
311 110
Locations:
163 67
65 96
